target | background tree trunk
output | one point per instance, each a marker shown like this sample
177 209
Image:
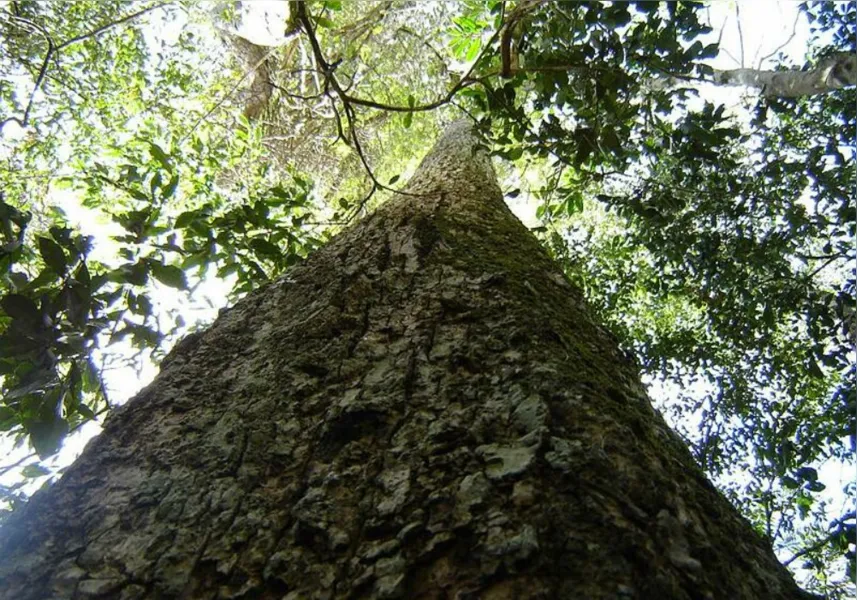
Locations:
423 409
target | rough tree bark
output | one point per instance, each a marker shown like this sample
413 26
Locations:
423 409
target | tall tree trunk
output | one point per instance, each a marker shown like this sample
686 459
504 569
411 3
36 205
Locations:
423 409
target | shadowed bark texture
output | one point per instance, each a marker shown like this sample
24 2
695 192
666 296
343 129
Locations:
423 409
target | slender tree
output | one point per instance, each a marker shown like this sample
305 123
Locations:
423 409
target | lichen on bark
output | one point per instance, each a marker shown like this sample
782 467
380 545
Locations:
425 408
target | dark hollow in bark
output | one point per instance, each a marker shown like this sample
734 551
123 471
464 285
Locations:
423 409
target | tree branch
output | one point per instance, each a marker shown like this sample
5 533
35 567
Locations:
428 45
740 32
102 28
820 544
348 101
832 73
42 71
466 80
6 468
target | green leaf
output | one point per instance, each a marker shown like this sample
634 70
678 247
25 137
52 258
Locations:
617 16
142 305
156 182
169 275
710 51
90 377
393 180
47 435
472 50
31 471
816 486
813 368
62 235
77 302
85 411
466 24
170 189
768 315
158 154
266 248
790 483
227 270
807 474
22 308
38 383
138 195
81 275
53 255
136 274
324 22
573 203
185 219
408 119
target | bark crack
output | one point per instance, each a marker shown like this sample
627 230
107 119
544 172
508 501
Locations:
189 584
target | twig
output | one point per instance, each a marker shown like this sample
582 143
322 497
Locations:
506 34
821 256
740 31
7 120
823 266
347 101
340 133
42 70
102 28
372 18
729 54
425 43
784 44
819 544
328 71
17 463
291 95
